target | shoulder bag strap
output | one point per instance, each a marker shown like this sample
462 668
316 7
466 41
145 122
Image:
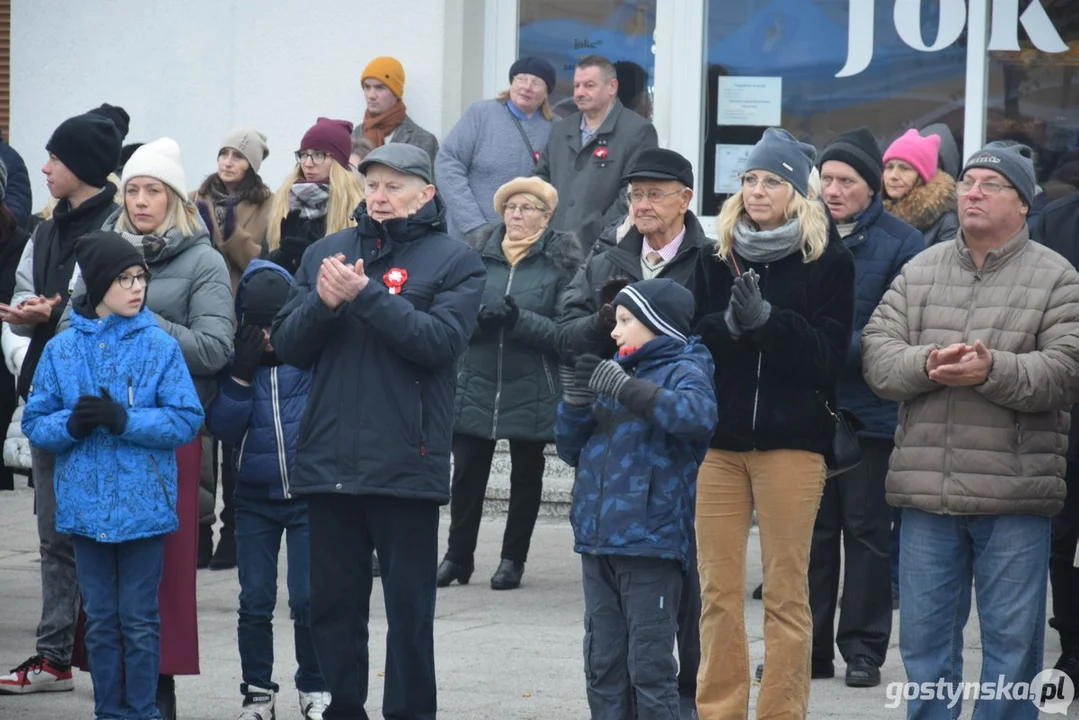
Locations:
524 135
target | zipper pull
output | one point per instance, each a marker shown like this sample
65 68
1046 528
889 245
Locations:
130 393
423 451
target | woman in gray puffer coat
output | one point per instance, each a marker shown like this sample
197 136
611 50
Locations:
190 294
507 380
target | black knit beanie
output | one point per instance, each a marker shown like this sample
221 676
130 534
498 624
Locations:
262 295
859 149
661 304
89 145
102 255
118 115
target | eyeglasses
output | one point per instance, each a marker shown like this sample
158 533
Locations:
770 183
317 157
652 196
524 82
989 187
129 281
526 210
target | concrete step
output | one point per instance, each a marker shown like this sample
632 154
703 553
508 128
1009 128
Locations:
557 484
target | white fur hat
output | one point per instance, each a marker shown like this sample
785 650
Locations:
160 160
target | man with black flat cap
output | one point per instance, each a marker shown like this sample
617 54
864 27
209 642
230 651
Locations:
664 241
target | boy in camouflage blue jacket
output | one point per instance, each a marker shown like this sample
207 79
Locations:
637 429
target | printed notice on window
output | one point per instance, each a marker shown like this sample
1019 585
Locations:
730 163
752 101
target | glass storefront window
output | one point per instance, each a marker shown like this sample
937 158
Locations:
793 49
1034 99
565 31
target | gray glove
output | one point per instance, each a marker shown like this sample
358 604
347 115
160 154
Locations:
751 310
572 394
608 378
733 327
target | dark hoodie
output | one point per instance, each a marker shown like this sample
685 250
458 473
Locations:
18 195
950 159
379 418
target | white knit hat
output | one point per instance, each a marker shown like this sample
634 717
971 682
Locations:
160 160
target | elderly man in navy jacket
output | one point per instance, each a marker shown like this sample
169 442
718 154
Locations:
381 312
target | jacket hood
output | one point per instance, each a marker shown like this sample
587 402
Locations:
950 159
694 237
923 206
159 250
431 218
257 265
559 246
125 326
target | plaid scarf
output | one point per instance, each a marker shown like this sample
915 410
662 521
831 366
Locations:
312 200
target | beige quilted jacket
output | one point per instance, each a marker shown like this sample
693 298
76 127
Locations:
999 447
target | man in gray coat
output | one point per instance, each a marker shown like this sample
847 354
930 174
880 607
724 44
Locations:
590 151
386 119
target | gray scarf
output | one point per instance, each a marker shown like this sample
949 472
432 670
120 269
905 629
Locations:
312 200
151 246
765 246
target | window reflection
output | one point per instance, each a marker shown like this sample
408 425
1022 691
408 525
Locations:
565 31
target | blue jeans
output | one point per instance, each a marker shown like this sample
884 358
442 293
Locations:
259 526
1007 557
123 630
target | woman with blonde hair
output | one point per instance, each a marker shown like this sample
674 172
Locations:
191 297
494 142
318 197
775 306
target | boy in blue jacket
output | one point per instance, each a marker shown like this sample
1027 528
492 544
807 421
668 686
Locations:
257 410
637 429
112 399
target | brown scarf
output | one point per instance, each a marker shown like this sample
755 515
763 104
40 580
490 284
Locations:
377 127
515 250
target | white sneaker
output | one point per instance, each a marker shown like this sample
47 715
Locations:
258 705
312 705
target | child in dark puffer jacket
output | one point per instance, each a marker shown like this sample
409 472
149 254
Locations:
637 450
257 410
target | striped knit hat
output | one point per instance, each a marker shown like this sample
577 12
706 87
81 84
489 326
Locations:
663 305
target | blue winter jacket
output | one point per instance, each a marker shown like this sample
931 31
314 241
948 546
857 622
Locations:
262 420
881 244
114 488
636 483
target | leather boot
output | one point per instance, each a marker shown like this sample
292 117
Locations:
448 571
508 575
225 555
166 697
206 546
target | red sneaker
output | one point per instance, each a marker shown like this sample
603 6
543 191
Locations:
36 675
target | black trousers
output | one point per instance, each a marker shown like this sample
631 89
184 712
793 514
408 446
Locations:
345 529
472 458
228 487
853 508
689 627
1063 575
9 401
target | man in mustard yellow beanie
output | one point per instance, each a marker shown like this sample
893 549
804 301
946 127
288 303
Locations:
386 119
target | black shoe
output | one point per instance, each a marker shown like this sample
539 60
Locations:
508 575
895 597
166 697
758 592
376 569
862 673
206 546
1069 665
448 571
760 672
225 556
821 670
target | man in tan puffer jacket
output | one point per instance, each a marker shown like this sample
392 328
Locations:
979 341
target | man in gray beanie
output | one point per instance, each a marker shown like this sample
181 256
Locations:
979 339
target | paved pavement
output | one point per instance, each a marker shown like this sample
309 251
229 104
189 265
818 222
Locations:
506 655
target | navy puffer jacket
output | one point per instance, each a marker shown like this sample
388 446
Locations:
881 244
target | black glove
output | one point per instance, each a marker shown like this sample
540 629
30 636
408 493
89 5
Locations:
81 423
250 344
582 371
513 313
571 393
489 319
751 310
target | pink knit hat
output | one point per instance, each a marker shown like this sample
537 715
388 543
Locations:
920 152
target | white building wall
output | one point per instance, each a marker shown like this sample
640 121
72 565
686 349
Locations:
193 70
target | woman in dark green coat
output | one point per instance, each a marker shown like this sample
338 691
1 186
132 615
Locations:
507 380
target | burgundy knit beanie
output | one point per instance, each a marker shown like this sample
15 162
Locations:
333 137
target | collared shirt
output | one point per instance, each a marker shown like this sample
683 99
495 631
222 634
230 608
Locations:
586 134
649 268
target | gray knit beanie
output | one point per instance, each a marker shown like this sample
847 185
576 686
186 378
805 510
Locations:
781 153
1014 162
250 143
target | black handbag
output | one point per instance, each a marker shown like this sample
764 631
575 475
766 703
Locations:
845 453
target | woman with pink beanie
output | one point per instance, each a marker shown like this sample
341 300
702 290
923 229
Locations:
916 190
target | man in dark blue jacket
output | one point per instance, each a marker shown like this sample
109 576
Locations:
853 506
18 196
381 312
